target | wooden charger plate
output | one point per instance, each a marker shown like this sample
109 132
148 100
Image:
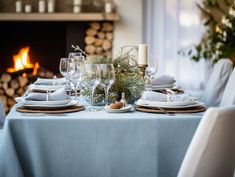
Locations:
170 110
74 108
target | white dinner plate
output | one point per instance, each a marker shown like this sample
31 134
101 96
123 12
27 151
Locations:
121 110
160 87
21 100
52 106
170 104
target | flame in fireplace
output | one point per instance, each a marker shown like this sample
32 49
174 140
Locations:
22 61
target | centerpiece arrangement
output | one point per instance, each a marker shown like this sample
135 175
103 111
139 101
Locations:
128 78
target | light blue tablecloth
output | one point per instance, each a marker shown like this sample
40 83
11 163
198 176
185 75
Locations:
95 144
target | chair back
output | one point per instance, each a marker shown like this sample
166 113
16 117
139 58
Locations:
2 114
216 84
212 150
228 97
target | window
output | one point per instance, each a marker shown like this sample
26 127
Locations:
171 25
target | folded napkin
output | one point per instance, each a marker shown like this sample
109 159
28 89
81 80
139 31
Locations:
58 95
160 97
55 81
154 96
163 80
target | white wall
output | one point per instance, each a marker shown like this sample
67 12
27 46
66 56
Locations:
129 30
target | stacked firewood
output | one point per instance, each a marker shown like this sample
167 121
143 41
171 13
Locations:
98 39
10 88
14 85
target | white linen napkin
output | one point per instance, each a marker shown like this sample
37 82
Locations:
154 96
163 80
55 81
160 97
58 95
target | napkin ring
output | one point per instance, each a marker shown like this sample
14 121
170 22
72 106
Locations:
48 95
168 97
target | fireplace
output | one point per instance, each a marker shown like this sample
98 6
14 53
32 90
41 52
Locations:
48 41
47 37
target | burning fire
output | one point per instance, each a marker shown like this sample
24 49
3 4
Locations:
22 61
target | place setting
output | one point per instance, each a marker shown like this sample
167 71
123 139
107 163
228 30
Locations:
55 95
47 102
155 102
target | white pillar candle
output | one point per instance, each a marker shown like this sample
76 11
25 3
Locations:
50 6
41 6
77 2
28 8
143 54
18 6
108 7
77 9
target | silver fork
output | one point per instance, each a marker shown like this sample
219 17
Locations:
166 112
42 114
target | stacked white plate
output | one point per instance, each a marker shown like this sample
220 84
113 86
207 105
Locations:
45 104
160 87
173 104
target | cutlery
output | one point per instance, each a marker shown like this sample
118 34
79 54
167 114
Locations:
41 114
165 111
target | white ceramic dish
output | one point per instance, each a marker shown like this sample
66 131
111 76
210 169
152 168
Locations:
51 106
160 87
161 104
122 110
21 100
169 105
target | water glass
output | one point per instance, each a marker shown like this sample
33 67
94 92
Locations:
150 71
107 74
75 68
91 78
76 56
64 67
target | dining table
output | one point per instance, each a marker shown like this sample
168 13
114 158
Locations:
95 143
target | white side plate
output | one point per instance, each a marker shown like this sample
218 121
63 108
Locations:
122 110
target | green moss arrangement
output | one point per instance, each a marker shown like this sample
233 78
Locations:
218 40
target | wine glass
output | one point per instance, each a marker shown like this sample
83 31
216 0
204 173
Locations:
75 73
107 74
64 67
150 71
91 78
76 56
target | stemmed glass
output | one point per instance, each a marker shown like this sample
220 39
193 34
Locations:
75 73
64 67
76 55
107 74
150 71
91 78
64 70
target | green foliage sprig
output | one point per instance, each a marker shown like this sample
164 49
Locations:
218 40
